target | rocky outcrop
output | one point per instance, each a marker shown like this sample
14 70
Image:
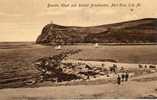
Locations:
137 31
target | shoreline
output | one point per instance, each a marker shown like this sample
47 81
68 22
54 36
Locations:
1 42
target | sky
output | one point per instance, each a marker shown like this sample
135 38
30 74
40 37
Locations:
23 20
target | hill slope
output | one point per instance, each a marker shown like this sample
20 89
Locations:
137 31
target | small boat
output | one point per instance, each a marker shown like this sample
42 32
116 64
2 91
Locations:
58 47
96 45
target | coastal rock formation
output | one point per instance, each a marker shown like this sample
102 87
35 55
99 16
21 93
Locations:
137 31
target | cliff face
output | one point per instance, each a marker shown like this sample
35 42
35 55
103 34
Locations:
137 31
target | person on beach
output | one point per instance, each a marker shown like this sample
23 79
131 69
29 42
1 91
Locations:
123 76
145 66
126 76
118 80
114 68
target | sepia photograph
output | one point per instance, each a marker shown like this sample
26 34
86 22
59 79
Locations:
77 49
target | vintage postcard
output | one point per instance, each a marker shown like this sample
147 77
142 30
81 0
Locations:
78 49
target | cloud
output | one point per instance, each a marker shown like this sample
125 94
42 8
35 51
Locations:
10 15
49 13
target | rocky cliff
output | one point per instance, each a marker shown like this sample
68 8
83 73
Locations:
137 31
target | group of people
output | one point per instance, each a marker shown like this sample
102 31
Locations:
122 78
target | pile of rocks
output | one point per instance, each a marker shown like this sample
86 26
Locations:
83 71
58 71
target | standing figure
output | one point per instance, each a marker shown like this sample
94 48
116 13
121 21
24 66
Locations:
126 76
114 68
118 80
145 66
123 77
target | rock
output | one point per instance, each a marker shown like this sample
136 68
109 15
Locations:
152 66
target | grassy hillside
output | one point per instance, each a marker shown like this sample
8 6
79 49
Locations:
137 31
